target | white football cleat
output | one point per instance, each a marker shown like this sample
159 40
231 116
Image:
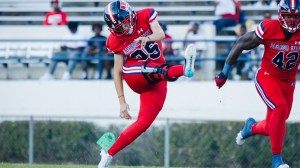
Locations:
239 138
105 159
190 56
284 166
246 132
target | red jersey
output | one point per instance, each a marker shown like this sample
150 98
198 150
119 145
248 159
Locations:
281 56
55 18
126 46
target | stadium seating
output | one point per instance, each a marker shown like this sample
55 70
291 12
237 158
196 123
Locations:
174 12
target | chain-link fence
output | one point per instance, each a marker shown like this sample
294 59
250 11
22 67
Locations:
168 143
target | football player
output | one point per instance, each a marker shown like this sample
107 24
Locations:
136 36
275 79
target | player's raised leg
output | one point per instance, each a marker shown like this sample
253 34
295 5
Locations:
246 131
190 56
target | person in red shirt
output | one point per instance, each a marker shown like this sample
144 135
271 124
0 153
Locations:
136 36
55 17
276 78
167 45
228 11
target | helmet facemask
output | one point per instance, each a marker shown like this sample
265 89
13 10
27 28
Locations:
125 27
290 21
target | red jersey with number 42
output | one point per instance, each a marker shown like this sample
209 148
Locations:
126 46
281 56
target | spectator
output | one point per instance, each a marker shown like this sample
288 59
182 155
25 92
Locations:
267 15
55 17
167 44
97 47
72 48
192 35
243 67
229 11
251 25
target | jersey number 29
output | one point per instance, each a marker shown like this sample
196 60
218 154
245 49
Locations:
151 50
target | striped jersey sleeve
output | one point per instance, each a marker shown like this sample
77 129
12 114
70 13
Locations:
260 31
153 16
148 15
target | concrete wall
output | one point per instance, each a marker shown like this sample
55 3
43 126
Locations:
186 100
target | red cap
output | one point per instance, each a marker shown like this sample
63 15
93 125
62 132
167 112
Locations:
54 1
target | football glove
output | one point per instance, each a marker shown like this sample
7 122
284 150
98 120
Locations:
220 79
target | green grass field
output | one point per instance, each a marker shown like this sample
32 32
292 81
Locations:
10 165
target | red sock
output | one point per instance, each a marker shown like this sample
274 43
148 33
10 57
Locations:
277 128
262 128
175 71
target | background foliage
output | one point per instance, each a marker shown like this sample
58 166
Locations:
206 144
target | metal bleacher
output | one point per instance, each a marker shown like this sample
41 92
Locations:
172 11
17 57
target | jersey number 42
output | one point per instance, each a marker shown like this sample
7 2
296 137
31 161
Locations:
286 63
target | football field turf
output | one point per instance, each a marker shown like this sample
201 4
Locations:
15 165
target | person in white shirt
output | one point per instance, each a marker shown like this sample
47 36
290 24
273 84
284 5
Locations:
72 46
193 35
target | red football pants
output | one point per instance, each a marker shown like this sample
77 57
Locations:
278 96
152 98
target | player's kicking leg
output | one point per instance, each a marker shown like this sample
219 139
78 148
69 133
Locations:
156 72
246 131
190 56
